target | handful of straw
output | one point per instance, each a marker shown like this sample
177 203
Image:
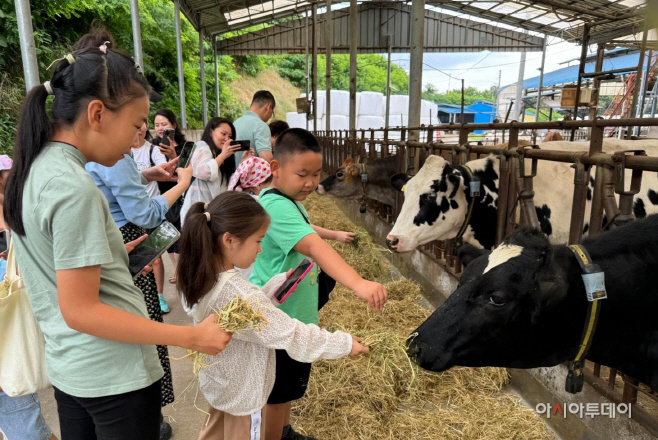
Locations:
238 315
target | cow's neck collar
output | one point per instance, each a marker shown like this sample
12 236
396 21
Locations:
467 173
364 182
595 290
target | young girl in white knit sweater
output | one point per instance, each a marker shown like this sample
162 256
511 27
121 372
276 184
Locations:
217 237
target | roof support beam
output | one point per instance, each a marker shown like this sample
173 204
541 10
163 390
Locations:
179 60
354 37
417 23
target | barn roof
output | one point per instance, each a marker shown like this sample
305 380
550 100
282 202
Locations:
562 18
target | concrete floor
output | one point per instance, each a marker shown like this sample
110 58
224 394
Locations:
186 421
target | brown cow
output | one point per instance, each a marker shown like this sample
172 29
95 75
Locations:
346 182
553 136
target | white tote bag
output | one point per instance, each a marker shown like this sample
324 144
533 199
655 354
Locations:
22 346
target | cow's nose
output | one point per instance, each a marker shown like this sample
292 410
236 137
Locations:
319 189
392 242
413 351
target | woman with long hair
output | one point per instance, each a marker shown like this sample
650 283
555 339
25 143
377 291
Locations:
213 163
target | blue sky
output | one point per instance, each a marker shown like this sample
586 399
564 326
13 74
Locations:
481 69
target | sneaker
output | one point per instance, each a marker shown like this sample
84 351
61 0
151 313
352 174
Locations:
165 431
163 304
291 434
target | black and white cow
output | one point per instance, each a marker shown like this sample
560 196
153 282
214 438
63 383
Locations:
524 306
437 198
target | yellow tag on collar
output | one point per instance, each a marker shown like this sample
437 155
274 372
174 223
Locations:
403 188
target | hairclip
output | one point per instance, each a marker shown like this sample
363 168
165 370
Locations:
207 214
103 47
68 57
49 88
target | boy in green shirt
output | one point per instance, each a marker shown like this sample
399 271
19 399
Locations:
296 171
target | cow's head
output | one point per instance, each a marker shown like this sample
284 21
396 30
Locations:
434 208
511 309
345 183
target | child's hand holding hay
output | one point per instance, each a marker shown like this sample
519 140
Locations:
358 347
344 237
238 315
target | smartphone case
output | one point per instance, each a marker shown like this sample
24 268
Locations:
161 252
294 286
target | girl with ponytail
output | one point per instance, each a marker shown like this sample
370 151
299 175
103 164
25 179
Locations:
217 238
100 343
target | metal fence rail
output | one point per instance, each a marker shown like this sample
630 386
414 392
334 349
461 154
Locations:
518 167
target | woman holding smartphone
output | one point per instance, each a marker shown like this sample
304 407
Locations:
170 146
213 163
100 344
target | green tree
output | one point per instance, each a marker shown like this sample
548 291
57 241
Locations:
293 68
471 94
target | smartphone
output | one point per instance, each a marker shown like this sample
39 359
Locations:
4 241
158 241
186 154
289 286
244 145
168 133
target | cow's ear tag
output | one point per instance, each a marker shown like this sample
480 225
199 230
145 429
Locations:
403 188
475 187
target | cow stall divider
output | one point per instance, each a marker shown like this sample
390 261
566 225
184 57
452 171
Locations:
517 168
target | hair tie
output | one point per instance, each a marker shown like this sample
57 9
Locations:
48 87
68 57
103 47
207 214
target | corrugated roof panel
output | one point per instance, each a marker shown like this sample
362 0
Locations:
534 15
570 74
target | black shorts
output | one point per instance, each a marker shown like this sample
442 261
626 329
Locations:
291 379
174 249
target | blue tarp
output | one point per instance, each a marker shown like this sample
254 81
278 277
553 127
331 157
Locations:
570 74
449 108
481 107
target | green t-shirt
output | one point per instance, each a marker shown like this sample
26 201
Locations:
251 127
286 229
68 225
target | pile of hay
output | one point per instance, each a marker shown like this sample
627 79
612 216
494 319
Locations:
383 395
361 254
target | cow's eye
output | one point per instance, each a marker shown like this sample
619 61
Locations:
496 299
426 197
340 174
